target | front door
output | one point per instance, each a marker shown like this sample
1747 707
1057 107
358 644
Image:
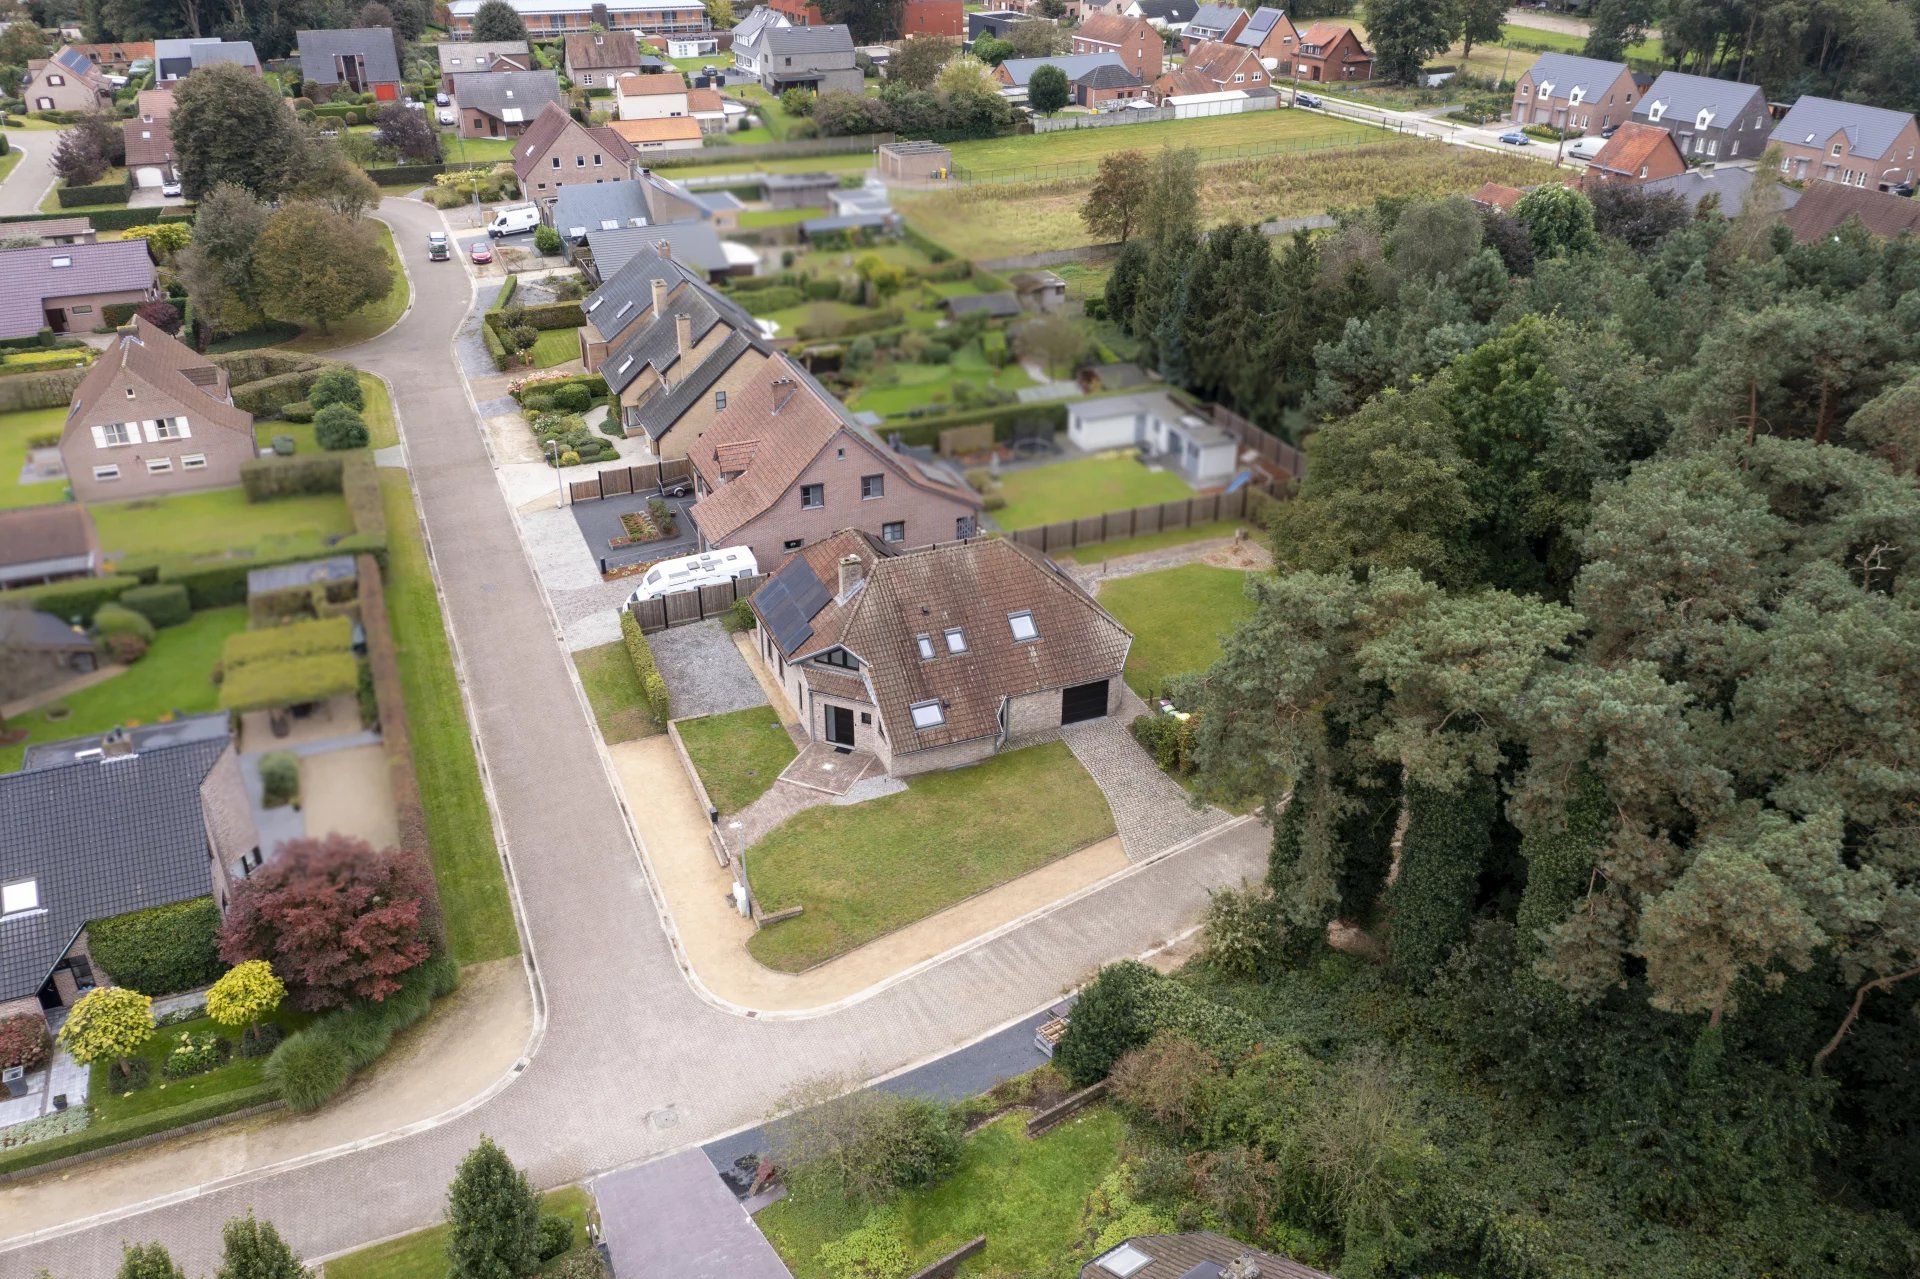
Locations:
840 727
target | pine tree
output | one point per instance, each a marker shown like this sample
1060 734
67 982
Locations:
253 1249
493 1219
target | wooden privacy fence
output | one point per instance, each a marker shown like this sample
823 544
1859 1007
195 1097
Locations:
618 481
684 608
1272 450
1141 520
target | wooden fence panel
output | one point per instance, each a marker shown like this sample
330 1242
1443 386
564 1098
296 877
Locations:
1175 515
582 490
1088 530
616 483
1146 520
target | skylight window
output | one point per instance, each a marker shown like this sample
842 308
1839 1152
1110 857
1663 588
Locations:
956 640
23 895
62 261
1124 1260
1021 624
925 644
626 364
927 715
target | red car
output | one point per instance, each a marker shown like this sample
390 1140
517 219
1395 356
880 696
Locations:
481 253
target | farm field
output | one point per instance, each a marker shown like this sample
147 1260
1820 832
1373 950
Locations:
1253 130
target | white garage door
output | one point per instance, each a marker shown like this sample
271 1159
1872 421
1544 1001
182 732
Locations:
147 176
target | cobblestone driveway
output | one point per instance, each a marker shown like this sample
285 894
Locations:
1150 809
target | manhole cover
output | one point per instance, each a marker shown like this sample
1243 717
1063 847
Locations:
664 1118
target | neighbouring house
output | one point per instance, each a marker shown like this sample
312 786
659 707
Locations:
580 211
350 60
557 151
1828 141
1824 207
785 464
67 81
40 544
100 827
710 110
65 288
817 58
1092 78
939 657
648 137
595 59
42 651
153 417
117 55
1001 304
149 147
997 23
1135 41
625 298
703 45
1198 1255
1636 153
551 19
58 230
1332 53
658 96
478 55
1040 290
1574 94
933 18
502 104
1709 119
1212 22
866 207
1273 37
1495 195
748 36
1213 68
1170 16
798 190
1165 434
696 244
177 59
914 161
1725 185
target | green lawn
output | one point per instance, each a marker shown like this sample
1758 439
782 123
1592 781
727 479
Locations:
369 321
1090 486
1103 551
606 672
217 523
844 162
161 1093
738 755
174 677
301 433
1041 155
1027 1196
1178 617
902 386
793 318
778 217
15 430
50 202
555 346
458 150
865 870
9 161
423 1254
466 862
383 429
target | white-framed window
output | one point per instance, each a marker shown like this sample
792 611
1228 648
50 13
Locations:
956 640
116 433
170 428
927 715
54 80
20 896
925 644
872 486
719 400
159 465
193 461
1021 624
106 472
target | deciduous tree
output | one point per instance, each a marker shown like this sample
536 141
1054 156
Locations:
230 126
147 1261
1480 21
1048 90
311 263
217 265
1118 196
497 20
108 1024
253 1249
244 994
917 62
408 134
1405 33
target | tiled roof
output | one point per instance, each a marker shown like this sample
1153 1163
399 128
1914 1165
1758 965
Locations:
101 837
197 53
669 402
1727 184
794 42
1107 76
1214 17
467 8
78 65
52 228
587 206
1214 65
1567 71
1169 12
548 127
626 294
1108 28
696 244
1197 1255
1496 196
651 85
374 45
973 587
592 51
147 143
702 101
460 56
1824 207
1683 97
172 368
509 96
118 51
28 277
678 128
1870 130
157 103
1632 146
1073 65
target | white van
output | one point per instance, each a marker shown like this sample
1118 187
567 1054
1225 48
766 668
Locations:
1585 148
690 572
513 219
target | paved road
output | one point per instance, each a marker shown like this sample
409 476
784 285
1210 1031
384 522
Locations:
22 190
633 1062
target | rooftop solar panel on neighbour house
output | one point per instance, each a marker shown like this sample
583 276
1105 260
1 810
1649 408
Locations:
789 602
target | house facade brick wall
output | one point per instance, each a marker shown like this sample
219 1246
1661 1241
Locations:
1833 160
680 436
1137 42
170 445
1332 58
574 156
232 837
52 87
933 18
1540 99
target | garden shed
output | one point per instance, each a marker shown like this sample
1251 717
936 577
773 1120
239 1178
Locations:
914 161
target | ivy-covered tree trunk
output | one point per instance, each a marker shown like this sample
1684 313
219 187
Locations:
1560 862
1448 836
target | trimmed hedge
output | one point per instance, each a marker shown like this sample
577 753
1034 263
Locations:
776 297
99 1136
161 951
595 383
289 681
265 478
98 193
296 639
164 604
81 597
311 1066
267 396
225 582
653 689
360 487
420 174
1006 420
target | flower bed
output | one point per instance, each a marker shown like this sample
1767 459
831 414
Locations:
650 525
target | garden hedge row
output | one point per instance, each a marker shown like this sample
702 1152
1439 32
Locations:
99 1136
295 639
80 598
46 389
44 338
396 738
161 951
47 360
653 689
420 174
265 478
97 193
289 681
1007 420
311 1066
163 604
595 383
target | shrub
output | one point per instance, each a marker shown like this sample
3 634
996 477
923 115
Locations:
337 385
738 618
110 1023
585 1264
162 950
245 993
309 1067
299 411
1168 738
280 778
573 398
1125 1005
569 458
653 688
339 426
556 1236
493 1219
546 239
867 1146
79 598
163 604
265 478
23 1041
124 649
118 619
194 1054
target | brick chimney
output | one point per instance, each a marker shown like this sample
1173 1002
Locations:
853 571
659 296
683 334
665 249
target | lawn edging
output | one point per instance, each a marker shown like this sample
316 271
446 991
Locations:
699 793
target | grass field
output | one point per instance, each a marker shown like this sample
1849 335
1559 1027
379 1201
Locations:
459 150
371 320
606 672
466 862
903 385
992 221
1043 154
1178 617
1026 1195
423 1254
865 870
175 677
15 430
1074 490
217 524
383 428
738 755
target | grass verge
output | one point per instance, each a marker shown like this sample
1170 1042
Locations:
865 870
1178 617
738 755
619 708
423 1254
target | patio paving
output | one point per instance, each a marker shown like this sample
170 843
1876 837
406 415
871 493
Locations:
820 767
599 523
705 673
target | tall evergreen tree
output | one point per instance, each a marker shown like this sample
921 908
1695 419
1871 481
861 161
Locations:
493 1218
252 1249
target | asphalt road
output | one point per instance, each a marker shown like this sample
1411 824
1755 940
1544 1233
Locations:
631 1061
29 181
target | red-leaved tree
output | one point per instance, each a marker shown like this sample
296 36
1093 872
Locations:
337 919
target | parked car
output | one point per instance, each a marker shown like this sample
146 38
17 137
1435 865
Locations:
170 188
690 572
438 249
1515 138
1307 100
442 100
514 219
481 253
446 115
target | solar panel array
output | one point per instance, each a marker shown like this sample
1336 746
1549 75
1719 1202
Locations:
789 602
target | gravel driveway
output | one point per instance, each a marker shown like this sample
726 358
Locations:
705 673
